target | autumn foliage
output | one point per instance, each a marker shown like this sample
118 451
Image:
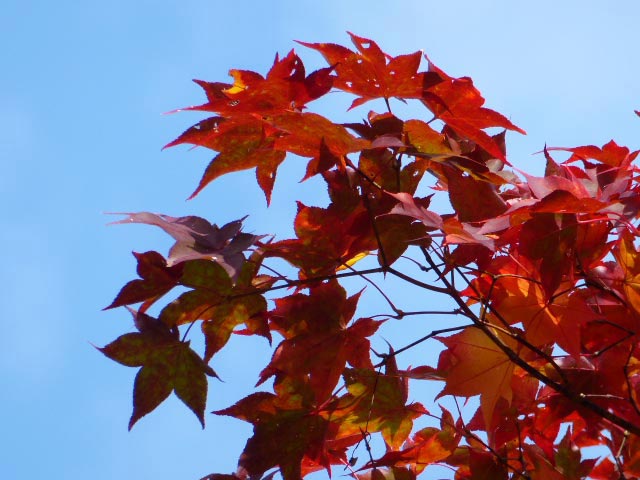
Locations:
539 280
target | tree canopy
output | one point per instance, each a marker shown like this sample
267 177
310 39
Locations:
539 278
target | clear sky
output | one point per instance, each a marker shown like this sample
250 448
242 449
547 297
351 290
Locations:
82 92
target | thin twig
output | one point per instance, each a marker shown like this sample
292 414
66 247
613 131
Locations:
508 329
417 283
399 313
418 342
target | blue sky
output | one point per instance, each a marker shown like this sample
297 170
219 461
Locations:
82 92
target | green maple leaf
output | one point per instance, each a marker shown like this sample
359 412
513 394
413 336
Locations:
168 364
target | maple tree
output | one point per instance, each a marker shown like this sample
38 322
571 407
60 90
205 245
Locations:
542 272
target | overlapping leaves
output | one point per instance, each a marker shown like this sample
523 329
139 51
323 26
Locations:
376 402
318 338
543 270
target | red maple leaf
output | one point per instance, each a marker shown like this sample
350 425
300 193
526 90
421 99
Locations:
156 280
370 73
306 443
319 342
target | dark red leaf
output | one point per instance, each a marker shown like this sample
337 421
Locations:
473 200
156 280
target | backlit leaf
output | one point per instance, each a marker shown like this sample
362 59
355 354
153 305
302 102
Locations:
370 73
477 366
376 402
629 260
168 364
305 439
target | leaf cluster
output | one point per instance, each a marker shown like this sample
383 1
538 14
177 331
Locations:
543 274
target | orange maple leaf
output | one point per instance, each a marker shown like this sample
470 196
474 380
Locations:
475 365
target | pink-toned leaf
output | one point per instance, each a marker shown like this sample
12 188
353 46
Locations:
196 238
